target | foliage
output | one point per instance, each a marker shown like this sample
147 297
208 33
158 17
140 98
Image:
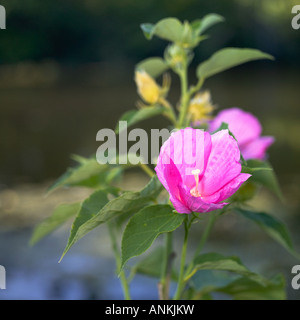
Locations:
144 215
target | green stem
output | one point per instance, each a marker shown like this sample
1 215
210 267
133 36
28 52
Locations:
209 226
123 278
197 87
211 222
180 285
170 113
166 267
184 96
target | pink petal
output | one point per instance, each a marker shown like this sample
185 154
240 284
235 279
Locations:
229 189
256 149
197 204
243 125
179 206
223 163
189 149
219 169
170 178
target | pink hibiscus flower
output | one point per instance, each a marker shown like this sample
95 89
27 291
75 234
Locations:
199 170
246 129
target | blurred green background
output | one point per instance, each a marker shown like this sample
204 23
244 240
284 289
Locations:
66 71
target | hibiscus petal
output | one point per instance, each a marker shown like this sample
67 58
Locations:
223 163
256 149
179 206
243 125
189 149
169 176
197 204
229 189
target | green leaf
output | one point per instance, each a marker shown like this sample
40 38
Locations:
145 226
257 165
201 25
240 288
267 177
59 216
152 189
246 192
215 261
272 226
246 289
134 116
87 173
223 126
89 208
98 212
148 29
206 281
168 29
184 34
153 66
227 58
151 265
247 169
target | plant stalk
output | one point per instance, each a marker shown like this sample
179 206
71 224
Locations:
166 267
123 279
180 285
211 222
184 97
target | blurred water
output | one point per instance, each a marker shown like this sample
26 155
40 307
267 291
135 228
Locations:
41 124
87 271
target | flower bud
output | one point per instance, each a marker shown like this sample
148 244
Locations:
148 89
201 107
175 56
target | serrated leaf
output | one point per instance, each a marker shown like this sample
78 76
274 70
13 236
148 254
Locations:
59 216
89 208
267 178
228 58
128 201
134 116
215 261
145 226
272 226
153 66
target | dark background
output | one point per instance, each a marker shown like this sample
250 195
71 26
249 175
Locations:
66 71
65 65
